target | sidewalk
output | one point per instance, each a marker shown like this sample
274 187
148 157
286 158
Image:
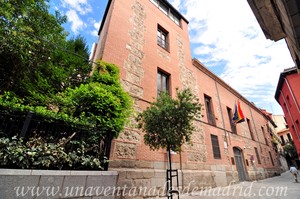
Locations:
274 188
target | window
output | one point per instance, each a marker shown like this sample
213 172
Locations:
163 8
263 132
162 38
171 13
297 127
215 146
162 82
271 158
257 155
282 139
155 2
289 137
174 18
209 111
230 116
288 101
250 129
285 107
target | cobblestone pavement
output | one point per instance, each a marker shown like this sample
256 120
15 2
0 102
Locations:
282 186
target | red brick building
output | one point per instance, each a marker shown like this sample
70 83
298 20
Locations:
149 41
288 96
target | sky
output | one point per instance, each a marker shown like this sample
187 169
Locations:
225 36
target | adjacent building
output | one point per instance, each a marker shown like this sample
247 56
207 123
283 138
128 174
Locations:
280 19
282 129
288 96
149 41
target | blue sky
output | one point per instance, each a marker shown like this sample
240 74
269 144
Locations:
224 35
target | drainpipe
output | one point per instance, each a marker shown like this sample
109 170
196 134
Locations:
223 124
255 129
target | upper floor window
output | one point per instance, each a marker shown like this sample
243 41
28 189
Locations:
282 139
289 137
167 11
230 116
250 129
264 134
298 127
288 101
162 38
162 82
209 110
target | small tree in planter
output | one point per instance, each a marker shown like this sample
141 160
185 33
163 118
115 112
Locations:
168 122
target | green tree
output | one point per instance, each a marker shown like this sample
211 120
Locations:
64 70
24 24
168 123
102 101
290 150
37 61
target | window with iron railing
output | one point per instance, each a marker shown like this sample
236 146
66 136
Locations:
215 146
162 38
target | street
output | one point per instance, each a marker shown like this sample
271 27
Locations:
276 187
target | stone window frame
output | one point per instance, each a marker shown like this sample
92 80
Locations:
215 146
163 82
163 38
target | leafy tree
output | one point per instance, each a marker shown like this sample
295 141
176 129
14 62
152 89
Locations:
168 122
43 72
37 61
24 25
63 71
290 149
102 101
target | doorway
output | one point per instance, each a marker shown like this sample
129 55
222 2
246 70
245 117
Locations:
239 159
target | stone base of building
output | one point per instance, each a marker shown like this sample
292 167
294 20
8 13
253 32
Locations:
148 179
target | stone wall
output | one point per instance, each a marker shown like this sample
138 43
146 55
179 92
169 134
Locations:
41 184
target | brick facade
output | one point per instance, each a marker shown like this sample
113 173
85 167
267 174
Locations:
128 38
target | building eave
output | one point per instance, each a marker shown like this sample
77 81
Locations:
268 19
282 77
104 16
209 73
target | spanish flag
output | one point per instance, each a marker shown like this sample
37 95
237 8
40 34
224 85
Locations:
238 115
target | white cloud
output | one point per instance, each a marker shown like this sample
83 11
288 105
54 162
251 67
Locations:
75 10
175 3
228 33
96 26
76 23
81 6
